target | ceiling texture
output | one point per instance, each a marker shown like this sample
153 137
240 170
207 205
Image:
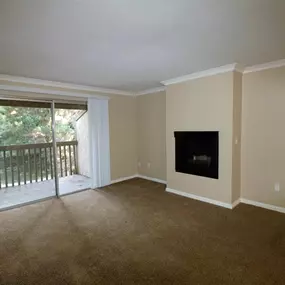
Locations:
133 45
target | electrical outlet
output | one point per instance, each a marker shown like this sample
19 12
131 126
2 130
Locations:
148 165
139 164
277 187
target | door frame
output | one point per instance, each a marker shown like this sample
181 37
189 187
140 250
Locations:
34 94
54 147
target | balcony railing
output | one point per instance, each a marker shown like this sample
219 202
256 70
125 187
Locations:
29 163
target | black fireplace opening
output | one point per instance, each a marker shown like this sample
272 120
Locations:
197 153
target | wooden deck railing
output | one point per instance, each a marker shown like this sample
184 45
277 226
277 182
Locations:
22 164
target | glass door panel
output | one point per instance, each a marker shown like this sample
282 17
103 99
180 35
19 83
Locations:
72 148
26 153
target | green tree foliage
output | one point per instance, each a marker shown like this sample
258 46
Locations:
19 125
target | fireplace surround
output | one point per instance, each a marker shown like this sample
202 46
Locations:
197 153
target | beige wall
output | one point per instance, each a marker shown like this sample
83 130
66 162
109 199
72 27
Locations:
236 142
211 103
263 136
204 104
82 134
123 136
151 110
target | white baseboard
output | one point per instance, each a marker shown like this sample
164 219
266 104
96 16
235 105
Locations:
151 179
199 198
123 179
204 199
227 205
263 205
235 203
137 176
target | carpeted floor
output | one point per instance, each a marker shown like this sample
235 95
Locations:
136 233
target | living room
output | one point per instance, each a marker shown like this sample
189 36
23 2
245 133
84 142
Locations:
182 105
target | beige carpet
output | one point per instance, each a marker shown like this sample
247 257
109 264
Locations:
136 233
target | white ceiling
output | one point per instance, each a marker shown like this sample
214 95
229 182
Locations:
133 45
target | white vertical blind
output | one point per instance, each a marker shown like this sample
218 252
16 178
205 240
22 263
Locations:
99 141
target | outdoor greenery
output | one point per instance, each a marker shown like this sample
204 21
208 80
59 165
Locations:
22 125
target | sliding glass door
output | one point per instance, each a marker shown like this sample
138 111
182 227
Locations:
26 152
44 150
48 149
72 148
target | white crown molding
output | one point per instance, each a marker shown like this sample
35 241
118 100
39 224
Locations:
213 71
28 90
54 84
239 67
77 88
150 91
264 66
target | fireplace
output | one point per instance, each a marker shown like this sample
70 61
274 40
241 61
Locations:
197 153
